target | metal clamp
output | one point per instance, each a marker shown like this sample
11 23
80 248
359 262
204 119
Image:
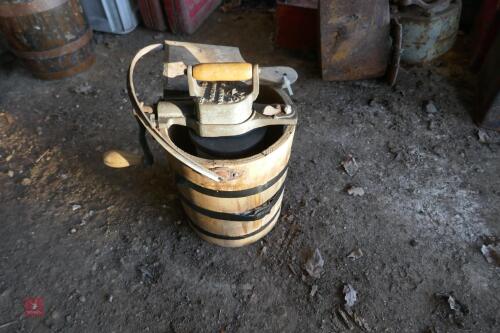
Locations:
182 113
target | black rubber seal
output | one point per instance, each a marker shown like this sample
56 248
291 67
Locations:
210 234
252 215
181 181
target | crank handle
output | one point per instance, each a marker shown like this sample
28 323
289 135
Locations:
226 71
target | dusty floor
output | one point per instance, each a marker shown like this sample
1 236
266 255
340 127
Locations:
109 250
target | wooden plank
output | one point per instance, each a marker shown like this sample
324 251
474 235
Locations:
354 39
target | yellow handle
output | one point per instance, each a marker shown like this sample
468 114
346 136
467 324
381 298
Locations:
121 159
224 71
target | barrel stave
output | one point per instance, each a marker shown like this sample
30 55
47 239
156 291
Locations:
52 37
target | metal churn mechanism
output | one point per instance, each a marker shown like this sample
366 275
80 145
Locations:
223 118
228 139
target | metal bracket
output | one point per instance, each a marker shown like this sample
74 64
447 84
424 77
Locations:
287 85
183 113
220 113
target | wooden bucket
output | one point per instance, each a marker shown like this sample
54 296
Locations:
51 36
246 204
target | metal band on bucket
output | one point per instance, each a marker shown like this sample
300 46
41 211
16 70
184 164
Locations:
181 181
225 237
254 214
58 51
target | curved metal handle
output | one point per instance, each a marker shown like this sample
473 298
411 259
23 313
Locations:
139 112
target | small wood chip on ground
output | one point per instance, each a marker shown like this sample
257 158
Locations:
350 318
314 290
314 265
355 191
350 165
355 254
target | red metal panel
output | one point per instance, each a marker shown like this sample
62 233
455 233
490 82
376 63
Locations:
486 29
152 14
297 24
185 16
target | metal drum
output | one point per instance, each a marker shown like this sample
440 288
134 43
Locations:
428 34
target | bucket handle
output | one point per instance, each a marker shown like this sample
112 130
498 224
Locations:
140 114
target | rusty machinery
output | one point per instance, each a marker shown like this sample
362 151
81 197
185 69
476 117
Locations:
429 28
368 39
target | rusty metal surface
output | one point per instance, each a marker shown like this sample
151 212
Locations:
54 43
397 40
427 36
152 15
354 39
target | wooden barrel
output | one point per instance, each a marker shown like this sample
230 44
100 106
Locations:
51 36
246 204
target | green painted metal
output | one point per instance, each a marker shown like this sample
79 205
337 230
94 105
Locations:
426 35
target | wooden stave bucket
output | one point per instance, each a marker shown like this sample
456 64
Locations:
245 205
64 52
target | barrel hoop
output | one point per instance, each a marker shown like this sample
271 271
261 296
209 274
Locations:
218 236
181 181
28 8
58 51
254 214
68 71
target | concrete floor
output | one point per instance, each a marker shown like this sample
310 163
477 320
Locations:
81 235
